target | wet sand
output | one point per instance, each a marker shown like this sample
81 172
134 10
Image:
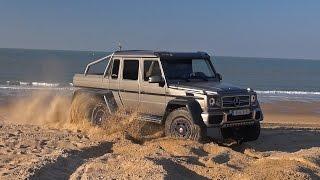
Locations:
292 113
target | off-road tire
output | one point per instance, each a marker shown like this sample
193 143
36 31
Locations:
179 124
243 133
88 107
251 133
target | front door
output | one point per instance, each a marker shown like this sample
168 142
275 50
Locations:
129 85
152 97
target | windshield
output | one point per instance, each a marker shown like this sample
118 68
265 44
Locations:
188 69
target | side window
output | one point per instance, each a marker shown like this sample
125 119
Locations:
151 68
115 69
130 69
98 69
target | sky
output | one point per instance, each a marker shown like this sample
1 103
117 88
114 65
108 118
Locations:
247 28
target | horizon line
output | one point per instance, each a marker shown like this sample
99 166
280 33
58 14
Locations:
232 56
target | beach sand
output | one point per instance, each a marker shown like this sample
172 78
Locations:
288 148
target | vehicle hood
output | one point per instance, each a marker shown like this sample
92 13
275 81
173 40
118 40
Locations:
210 86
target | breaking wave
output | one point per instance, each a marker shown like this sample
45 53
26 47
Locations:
33 84
289 92
12 88
301 96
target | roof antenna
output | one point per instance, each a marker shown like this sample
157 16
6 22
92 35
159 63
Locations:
119 46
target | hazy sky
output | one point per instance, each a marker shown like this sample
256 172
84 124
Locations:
270 28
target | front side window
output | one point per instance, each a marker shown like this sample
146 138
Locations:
130 69
151 68
188 69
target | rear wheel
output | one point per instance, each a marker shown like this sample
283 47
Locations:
99 114
88 107
179 124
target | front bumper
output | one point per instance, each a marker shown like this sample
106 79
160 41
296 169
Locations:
224 118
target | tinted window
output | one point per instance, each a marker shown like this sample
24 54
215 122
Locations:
187 69
151 68
115 69
202 66
130 69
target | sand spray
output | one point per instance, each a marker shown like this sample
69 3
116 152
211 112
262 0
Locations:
49 109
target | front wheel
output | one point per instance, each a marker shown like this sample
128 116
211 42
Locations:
179 124
243 133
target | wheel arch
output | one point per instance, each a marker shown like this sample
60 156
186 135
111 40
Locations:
192 106
104 95
91 92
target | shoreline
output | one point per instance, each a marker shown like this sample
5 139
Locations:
292 112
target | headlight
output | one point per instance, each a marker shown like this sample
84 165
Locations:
253 99
212 101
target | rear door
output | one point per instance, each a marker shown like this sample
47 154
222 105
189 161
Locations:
114 74
129 84
112 79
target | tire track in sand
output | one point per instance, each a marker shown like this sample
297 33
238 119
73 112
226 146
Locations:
64 167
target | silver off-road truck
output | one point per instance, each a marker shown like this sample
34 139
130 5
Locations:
183 91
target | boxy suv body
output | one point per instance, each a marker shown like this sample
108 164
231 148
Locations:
183 91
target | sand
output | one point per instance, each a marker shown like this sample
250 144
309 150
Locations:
47 146
292 113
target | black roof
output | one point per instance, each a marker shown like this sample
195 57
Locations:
163 54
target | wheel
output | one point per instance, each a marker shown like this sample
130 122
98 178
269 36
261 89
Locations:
179 124
99 114
243 133
88 107
251 133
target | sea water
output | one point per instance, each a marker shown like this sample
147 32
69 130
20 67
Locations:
276 79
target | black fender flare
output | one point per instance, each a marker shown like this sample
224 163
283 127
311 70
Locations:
191 104
104 94
93 92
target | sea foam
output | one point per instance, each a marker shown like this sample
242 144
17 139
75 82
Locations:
263 95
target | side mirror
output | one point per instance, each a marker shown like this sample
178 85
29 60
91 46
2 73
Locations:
219 76
155 79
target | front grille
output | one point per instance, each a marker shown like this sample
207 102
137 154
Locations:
235 101
239 118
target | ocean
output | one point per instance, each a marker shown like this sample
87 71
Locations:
274 79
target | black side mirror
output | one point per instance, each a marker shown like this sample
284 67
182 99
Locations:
219 76
155 79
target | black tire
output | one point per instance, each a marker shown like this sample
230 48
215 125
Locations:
88 107
251 133
179 124
243 133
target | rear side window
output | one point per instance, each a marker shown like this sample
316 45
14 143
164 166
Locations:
115 69
130 69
